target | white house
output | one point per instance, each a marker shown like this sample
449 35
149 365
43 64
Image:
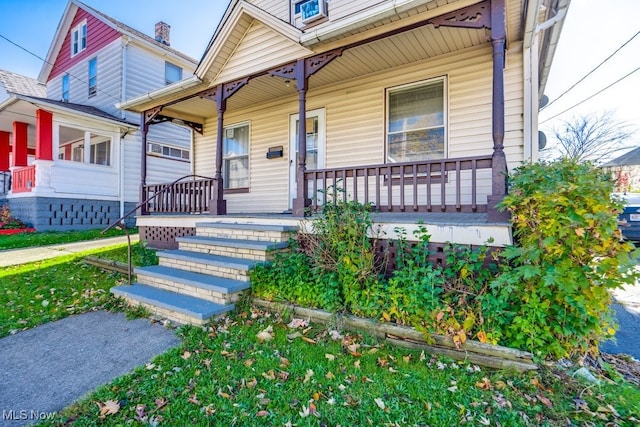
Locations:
85 171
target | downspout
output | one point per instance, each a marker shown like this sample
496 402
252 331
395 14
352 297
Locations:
123 115
531 58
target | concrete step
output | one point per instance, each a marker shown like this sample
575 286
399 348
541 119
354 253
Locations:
197 262
211 288
261 232
173 306
235 248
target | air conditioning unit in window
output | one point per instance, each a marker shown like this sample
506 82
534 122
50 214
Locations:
312 10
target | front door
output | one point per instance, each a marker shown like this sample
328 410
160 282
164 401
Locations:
315 147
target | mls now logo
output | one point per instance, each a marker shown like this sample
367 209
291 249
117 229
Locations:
24 415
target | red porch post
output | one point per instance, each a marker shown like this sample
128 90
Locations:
4 150
301 201
20 146
499 160
44 135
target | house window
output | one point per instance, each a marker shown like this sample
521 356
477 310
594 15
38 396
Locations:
73 146
65 87
167 151
100 153
93 77
172 73
235 156
79 39
416 122
304 12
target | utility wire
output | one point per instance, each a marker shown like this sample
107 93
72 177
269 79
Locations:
592 71
47 62
595 94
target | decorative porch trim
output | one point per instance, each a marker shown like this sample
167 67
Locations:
474 16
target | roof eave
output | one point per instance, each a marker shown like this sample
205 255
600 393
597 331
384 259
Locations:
176 88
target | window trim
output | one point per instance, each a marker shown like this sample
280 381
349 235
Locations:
248 156
445 111
80 31
93 89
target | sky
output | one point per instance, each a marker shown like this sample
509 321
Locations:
592 31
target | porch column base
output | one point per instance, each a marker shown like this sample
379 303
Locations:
300 207
493 214
218 207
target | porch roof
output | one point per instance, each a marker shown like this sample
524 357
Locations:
22 108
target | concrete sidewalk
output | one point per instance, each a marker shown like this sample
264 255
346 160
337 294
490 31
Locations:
45 369
21 256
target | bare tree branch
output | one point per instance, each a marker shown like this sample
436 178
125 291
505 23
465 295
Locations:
594 137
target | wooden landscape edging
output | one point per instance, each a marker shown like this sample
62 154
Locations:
119 267
489 355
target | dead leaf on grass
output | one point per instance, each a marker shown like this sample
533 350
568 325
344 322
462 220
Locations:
109 407
298 323
266 334
308 375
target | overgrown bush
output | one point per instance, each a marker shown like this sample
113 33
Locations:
548 294
568 255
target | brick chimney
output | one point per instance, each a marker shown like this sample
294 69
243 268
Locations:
163 31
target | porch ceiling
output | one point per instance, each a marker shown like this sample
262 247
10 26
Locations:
401 49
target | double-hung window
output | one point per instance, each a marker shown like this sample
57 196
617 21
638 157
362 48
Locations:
416 122
235 156
93 77
79 38
65 87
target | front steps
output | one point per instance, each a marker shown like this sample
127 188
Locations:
207 273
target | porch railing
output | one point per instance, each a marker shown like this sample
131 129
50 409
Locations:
449 185
5 182
24 179
190 196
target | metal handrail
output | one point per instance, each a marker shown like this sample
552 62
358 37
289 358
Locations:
120 223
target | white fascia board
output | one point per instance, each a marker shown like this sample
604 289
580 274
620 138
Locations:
172 89
58 39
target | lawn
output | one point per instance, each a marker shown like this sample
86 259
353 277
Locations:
259 368
40 292
256 368
24 240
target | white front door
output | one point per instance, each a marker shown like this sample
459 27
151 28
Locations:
315 146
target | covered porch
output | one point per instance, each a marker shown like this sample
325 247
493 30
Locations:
468 177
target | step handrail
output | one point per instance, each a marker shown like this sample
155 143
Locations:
120 222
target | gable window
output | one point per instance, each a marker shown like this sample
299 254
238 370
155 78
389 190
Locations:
65 87
235 156
93 77
172 73
305 12
79 39
416 122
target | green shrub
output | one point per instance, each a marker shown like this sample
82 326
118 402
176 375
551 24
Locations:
555 298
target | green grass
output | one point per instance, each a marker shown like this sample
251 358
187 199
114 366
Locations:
224 375
25 240
43 291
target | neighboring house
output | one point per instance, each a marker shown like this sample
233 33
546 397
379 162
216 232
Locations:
85 169
625 170
14 84
420 107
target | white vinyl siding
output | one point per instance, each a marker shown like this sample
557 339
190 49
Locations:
260 45
277 8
